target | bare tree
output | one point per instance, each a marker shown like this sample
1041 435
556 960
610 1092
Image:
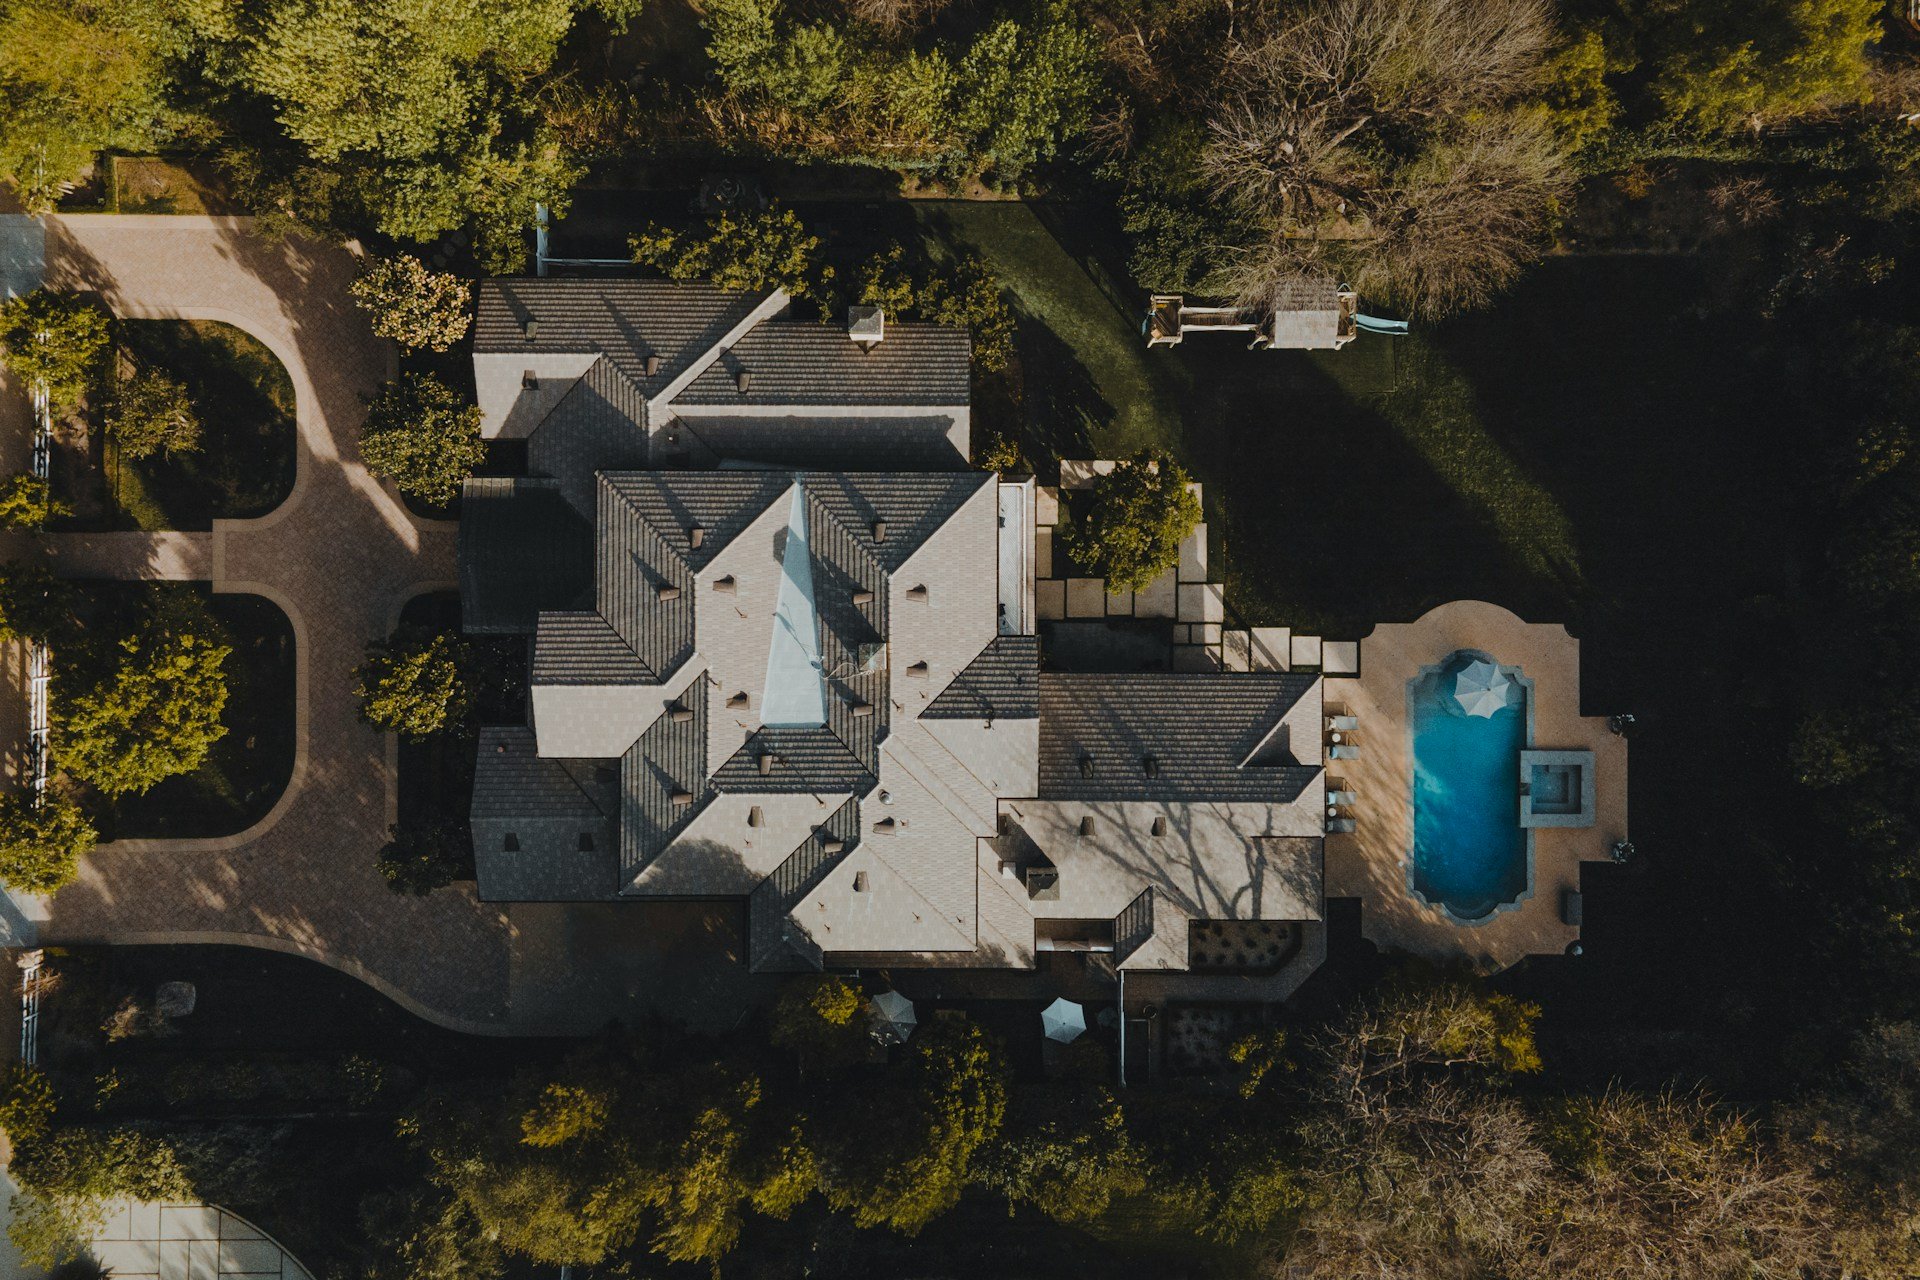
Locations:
895 17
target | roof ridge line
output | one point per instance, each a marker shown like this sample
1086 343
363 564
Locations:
772 305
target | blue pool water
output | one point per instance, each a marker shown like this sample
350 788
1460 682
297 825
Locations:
1469 851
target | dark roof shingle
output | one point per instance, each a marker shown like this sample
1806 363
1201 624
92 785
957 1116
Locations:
801 363
1002 683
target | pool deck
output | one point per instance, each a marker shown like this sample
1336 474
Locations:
1371 863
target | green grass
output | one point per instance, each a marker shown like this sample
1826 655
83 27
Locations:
244 398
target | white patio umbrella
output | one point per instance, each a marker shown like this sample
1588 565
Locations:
892 1017
1063 1020
1481 689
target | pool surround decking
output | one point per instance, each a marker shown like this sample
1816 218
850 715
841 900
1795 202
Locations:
1372 863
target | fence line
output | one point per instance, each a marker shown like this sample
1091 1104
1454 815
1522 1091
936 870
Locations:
39 660
30 1007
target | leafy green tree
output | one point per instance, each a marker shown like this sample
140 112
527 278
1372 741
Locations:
41 846
414 306
425 856
1066 1151
77 79
58 340
421 436
1024 88
1580 103
1720 65
966 293
731 1157
1139 513
765 250
899 1153
152 413
27 502
820 1018
69 1176
27 1106
147 707
414 684
34 605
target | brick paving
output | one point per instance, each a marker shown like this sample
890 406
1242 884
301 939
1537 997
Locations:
340 556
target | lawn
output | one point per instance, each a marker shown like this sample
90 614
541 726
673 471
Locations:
247 770
245 465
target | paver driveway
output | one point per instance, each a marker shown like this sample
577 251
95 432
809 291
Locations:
340 556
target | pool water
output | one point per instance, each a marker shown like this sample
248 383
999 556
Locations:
1469 850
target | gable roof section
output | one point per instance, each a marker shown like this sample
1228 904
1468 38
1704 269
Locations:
523 550
583 648
1002 683
598 425
1197 726
669 757
814 761
626 320
792 362
911 505
545 806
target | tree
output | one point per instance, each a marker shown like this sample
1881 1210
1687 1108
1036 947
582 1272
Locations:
967 294
41 845
1023 89
765 250
899 1154
412 305
422 857
56 340
151 413
34 605
68 1177
76 79
1390 142
414 684
732 1155
418 434
1066 1151
27 502
147 707
1133 526
820 1019
1720 65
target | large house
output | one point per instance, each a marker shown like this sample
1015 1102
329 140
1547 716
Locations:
783 648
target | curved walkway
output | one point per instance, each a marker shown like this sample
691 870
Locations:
340 556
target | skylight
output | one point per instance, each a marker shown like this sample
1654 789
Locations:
796 695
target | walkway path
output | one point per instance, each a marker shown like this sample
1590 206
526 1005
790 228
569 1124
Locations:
341 556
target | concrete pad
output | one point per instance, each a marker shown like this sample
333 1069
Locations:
1050 599
1272 648
143 1219
1046 504
1080 473
1158 599
174 1264
23 255
1194 657
1340 657
189 1222
1119 603
1202 602
125 1259
1206 633
249 1257
1086 597
1236 651
232 1228
1182 633
119 1225
1193 554
203 1260
1305 652
1043 551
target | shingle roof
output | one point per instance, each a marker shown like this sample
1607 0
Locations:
800 363
669 757
773 944
1097 731
583 648
522 550
597 426
529 818
1003 683
815 761
627 320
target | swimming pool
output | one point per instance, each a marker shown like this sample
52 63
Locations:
1470 854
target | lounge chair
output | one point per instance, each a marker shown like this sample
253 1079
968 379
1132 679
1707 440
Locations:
1344 751
1340 797
1342 724
1341 826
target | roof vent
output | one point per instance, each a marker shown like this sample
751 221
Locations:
529 380
511 844
866 325
918 671
884 827
743 381
739 702
879 530
726 584
832 845
861 710
500 748
1150 765
1160 825
666 591
586 842
530 327
679 713
917 594
653 364
1086 826
863 597
681 799
1086 765
1043 884
1009 869
756 817
859 882
696 536
766 763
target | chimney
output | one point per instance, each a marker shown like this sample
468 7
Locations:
756 818
738 702
726 584
832 845
1009 869
1086 826
1160 825
917 595
861 710
879 530
679 713
1086 765
696 536
666 591
743 381
681 799
766 763
866 325
653 364
863 597
859 882
531 328
1150 765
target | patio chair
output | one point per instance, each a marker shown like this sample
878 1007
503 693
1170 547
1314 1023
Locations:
1341 826
1344 751
1342 724
1342 798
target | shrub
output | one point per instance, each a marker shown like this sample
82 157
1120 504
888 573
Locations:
27 502
423 857
765 250
1132 529
420 436
414 685
968 294
55 339
33 603
151 413
41 846
412 305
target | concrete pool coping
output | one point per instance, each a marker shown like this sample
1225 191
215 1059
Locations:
1371 863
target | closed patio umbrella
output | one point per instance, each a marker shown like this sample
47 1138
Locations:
892 1017
1481 688
1063 1020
